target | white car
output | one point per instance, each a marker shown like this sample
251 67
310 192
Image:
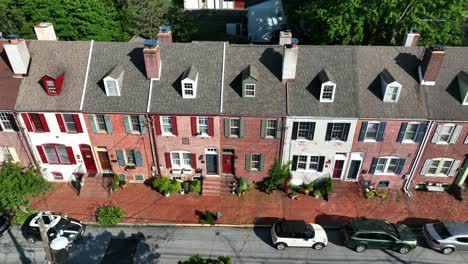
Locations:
297 233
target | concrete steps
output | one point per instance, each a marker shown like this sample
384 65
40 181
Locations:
211 186
95 186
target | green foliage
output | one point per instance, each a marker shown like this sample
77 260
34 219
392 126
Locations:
115 182
375 22
368 194
175 186
242 186
162 183
328 186
15 184
208 218
317 193
200 260
21 216
278 175
195 186
382 194
109 215
186 186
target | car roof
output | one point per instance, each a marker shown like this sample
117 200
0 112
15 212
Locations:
457 228
288 227
365 224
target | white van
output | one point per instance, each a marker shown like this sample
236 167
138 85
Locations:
297 233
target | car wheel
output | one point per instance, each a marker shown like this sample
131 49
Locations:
31 239
447 250
280 246
318 246
361 248
403 249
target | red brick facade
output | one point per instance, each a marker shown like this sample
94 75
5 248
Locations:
119 139
15 140
388 147
250 143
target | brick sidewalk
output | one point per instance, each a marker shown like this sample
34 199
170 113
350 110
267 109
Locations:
144 205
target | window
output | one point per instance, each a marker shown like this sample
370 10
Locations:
383 184
112 88
302 163
139 177
440 167
56 154
328 92
313 163
255 162
69 123
36 121
391 94
202 127
371 133
51 86
57 176
166 124
308 163
304 130
337 131
235 127
411 131
135 123
5 122
5 154
462 239
271 126
445 134
101 123
388 165
188 89
130 157
181 159
250 90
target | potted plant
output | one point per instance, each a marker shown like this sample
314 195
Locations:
317 193
308 187
166 193
186 186
115 182
123 184
162 184
175 186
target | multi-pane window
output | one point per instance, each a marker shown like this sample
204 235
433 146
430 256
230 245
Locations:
135 123
235 126
271 126
166 124
302 163
371 133
433 167
392 93
337 131
255 162
250 90
445 133
327 93
387 165
36 121
175 159
130 156
202 125
69 123
410 133
112 88
440 167
51 86
308 163
304 129
5 153
188 89
56 154
5 122
446 164
181 159
101 123
313 163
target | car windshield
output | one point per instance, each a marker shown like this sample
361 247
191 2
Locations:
310 232
394 231
62 224
442 230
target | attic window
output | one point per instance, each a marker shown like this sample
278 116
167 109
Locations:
390 87
328 87
249 90
53 83
113 81
189 83
50 84
249 81
112 88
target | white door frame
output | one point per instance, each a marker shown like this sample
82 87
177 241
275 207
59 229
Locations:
358 156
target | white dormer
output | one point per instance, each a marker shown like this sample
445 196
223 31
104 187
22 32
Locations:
189 83
390 87
113 81
327 88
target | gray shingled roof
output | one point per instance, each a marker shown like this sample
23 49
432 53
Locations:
135 87
443 99
207 58
270 94
190 73
304 93
387 76
402 63
325 76
50 58
250 71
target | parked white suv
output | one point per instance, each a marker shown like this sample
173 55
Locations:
297 233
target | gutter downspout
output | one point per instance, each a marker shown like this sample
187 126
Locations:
416 161
283 127
153 145
150 122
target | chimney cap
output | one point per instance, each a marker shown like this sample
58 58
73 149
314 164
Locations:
415 31
436 47
150 42
164 28
43 24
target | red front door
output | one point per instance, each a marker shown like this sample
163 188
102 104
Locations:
338 169
88 158
239 4
228 164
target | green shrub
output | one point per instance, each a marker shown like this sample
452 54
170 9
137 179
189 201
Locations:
20 216
328 185
368 194
175 186
200 260
278 175
208 218
109 215
115 182
242 186
381 194
317 193
161 184
186 186
297 188
195 186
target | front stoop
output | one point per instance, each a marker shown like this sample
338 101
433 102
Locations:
211 186
96 186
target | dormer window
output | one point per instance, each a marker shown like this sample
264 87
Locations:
53 85
189 83
463 87
390 87
249 81
113 81
328 86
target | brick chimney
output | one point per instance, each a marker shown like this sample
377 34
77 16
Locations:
18 55
431 64
411 38
165 34
290 54
152 56
45 31
285 37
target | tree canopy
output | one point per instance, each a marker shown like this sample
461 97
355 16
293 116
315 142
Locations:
375 22
200 260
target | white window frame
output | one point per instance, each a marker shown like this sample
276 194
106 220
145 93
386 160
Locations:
439 141
183 161
388 95
188 89
415 133
386 165
299 129
51 86
65 123
194 84
200 126
5 120
341 130
7 151
131 124
108 91
231 127
310 160
465 101
252 87
96 121
322 92
127 153
439 167
272 129
165 126
257 162
376 132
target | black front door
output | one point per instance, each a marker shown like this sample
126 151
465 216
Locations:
211 164
354 169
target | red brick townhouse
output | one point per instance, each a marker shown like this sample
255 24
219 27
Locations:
253 110
114 107
444 155
184 108
13 144
392 115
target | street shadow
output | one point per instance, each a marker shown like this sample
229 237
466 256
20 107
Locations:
262 228
23 258
416 224
409 63
333 222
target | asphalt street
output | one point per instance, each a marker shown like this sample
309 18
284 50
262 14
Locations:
171 244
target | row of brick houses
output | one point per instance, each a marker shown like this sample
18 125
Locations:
391 117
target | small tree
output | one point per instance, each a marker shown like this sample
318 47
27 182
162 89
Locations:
278 175
109 215
200 260
175 186
162 184
195 186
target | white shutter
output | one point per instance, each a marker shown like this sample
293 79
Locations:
466 139
454 167
436 135
456 133
426 167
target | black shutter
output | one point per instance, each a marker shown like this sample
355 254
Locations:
362 133
381 131
294 163
329 130
373 165
421 131
400 165
344 136
12 120
310 135
294 132
321 162
401 134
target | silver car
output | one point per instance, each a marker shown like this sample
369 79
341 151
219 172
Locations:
447 237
